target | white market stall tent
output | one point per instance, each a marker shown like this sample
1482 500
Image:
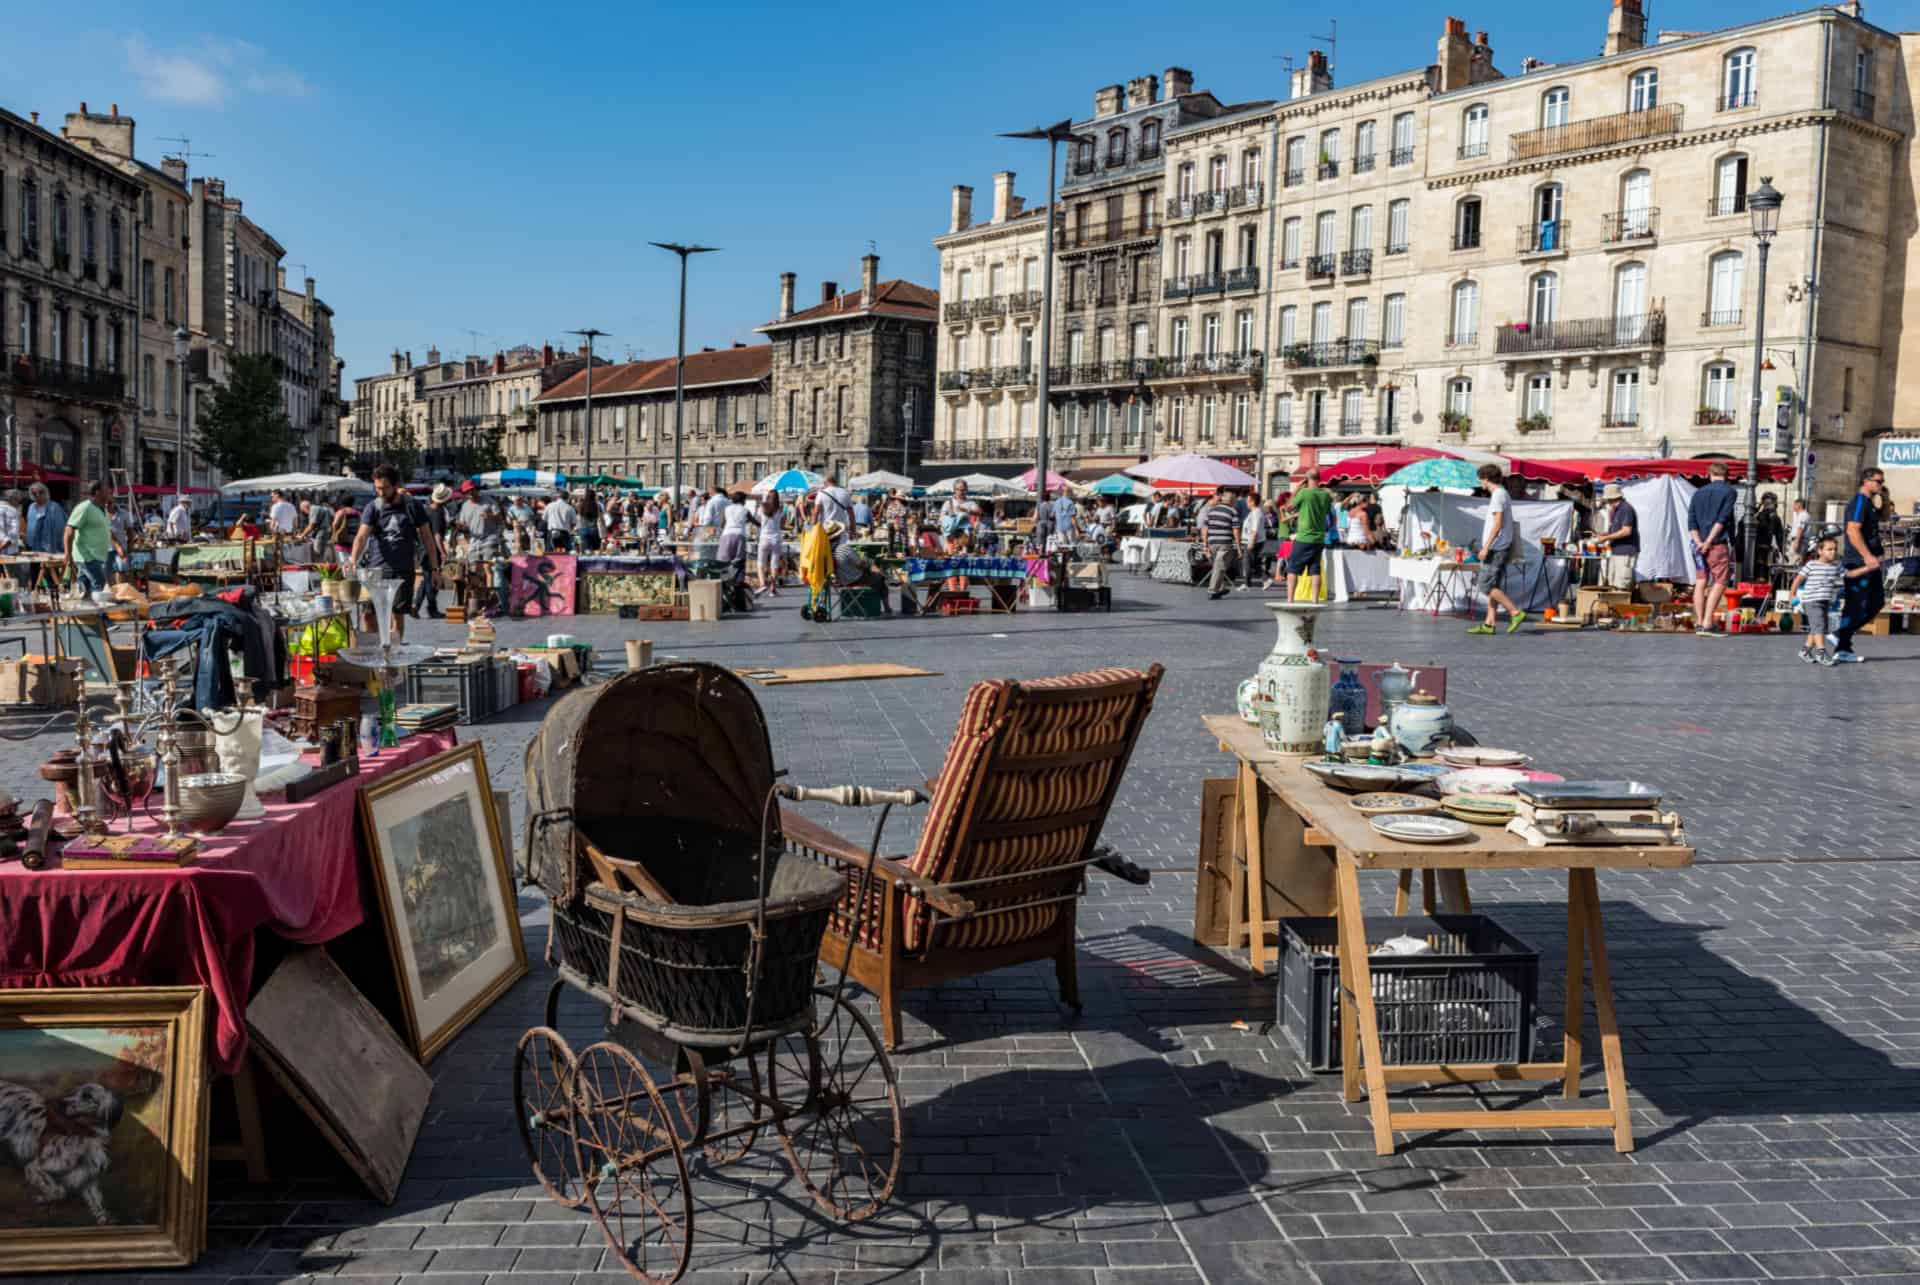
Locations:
1660 519
1532 581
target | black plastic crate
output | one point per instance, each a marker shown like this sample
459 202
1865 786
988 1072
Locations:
1471 1002
470 685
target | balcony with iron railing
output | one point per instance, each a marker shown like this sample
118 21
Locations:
953 381
1630 225
1024 301
1725 204
1293 178
1331 353
1106 232
1218 365
1200 283
1356 263
1596 131
1363 164
1642 330
1713 417
1714 318
31 372
1738 99
1400 156
1321 266
1247 278
1620 419
1352 426
1466 238
1181 208
1329 168
1012 376
1474 149
1547 236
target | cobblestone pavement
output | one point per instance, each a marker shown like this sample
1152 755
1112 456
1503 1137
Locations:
1770 1001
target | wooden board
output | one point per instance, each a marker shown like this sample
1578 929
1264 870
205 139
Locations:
342 1065
772 677
1213 878
1328 810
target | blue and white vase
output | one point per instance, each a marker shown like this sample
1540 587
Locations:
1348 698
1421 725
1293 677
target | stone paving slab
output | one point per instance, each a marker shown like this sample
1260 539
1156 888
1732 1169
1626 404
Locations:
1769 999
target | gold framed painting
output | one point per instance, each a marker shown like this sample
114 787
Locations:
440 867
103 1128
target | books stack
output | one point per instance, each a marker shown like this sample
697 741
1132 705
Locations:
425 716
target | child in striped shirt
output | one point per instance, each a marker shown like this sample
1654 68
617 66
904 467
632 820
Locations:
1816 591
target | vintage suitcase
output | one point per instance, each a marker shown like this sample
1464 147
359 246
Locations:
317 707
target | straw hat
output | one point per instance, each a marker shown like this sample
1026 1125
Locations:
833 530
1612 492
441 494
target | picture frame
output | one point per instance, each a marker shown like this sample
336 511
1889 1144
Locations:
105 1089
446 893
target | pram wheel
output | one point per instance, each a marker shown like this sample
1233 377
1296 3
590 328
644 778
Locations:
543 1071
837 1107
632 1165
729 1101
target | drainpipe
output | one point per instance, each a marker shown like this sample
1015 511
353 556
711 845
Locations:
1802 485
1266 302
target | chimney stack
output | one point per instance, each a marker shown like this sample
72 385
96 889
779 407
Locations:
828 290
281 273
433 356
1141 91
869 278
1314 78
1002 196
786 295
1177 81
499 363
1454 55
1626 27
1482 64
546 355
1107 100
175 168
962 208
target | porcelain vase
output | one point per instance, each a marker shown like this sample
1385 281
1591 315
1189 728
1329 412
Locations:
1243 701
1349 698
1293 677
1421 725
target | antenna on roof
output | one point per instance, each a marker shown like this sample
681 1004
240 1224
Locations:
473 338
1330 40
186 148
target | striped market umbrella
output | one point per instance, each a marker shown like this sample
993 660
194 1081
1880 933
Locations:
793 481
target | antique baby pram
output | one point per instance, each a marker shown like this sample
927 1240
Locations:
677 904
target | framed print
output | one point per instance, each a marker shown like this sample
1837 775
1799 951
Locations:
103 1128
440 866
541 584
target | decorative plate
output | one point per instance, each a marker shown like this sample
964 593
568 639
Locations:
1482 756
1481 780
1479 809
1419 829
1380 804
1356 778
1431 771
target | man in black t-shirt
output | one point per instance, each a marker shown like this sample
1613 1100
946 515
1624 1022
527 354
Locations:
395 539
1864 595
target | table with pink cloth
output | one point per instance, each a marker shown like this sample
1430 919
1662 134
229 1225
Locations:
294 870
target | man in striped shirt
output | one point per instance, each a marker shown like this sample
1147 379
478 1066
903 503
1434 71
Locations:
1222 528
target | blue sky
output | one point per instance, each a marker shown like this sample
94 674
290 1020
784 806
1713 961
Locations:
501 167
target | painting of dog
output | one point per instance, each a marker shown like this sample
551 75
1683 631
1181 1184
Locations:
81 1128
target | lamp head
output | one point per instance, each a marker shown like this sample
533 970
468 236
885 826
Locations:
1764 205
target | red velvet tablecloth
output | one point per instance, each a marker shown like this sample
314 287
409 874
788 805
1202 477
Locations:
295 870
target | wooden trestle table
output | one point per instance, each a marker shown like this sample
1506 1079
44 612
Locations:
1303 840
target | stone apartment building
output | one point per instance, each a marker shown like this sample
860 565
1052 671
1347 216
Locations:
852 377
309 371
450 406
990 316
385 405
726 419
69 317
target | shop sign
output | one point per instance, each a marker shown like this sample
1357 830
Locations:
1900 452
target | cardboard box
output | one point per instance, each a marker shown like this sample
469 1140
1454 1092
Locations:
564 661
1594 604
36 680
703 600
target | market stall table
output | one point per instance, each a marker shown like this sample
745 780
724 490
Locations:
1438 585
1305 838
294 870
924 572
1351 573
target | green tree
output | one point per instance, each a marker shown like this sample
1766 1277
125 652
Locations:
243 429
490 454
399 447
333 456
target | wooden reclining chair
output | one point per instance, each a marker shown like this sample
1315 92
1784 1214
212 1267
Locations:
1016 813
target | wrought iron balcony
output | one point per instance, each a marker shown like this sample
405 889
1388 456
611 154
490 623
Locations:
1103 233
1719 317
1352 427
1362 164
1400 156
1548 236
1200 283
1630 225
1314 427
1182 207
43 374
953 381
1643 330
1739 99
1222 364
990 306
957 310
1024 301
1712 417
1246 195
1321 265
982 378
1474 150
1620 419
1247 278
1214 202
1004 376
1356 263
959 448
1329 169
1597 131
1293 178
1726 203
1148 151
1337 352
1119 370
1466 238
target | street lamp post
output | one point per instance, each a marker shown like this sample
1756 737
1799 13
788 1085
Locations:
182 346
1053 134
590 334
680 358
1764 205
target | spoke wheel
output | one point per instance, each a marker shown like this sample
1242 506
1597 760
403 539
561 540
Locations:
632 1165
543 1074
838 1110
727 1104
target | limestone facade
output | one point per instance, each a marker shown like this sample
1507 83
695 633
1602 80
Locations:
726 426
309 371
852 378
69 320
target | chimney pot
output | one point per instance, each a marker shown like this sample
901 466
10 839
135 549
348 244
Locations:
786 295
962 208
1002 195
1480 38
1107 100
36 117
1178 81
116 109
827 290
869 278
83 107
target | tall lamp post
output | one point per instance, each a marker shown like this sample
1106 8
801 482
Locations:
182 346
680 358
589 334
1764 205
1054 135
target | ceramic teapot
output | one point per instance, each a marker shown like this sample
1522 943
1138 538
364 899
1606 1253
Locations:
1421 725
1396 684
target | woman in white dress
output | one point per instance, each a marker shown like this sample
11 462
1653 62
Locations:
773 521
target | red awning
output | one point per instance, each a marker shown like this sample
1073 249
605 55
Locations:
141 488
1375 466
1615 470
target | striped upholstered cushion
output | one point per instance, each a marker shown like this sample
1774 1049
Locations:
996 724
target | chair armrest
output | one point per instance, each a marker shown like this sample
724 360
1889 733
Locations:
818 838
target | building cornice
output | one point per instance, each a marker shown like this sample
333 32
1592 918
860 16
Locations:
1035 224
1413 82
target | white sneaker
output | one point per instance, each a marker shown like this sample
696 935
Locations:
1807 654
1848 658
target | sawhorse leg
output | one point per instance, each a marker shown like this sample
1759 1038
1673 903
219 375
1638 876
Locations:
1610 1053
1248 798
1452 886
1358 977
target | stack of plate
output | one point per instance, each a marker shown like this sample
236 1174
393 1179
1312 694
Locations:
1419 829
1481 756
1479 809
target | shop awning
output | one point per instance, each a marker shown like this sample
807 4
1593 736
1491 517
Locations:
1379 465
142 488
1599 469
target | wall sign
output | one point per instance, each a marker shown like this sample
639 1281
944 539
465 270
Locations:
1900 452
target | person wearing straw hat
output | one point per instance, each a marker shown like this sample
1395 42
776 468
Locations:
1621 540
426 599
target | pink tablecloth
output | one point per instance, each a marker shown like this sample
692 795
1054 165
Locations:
295 870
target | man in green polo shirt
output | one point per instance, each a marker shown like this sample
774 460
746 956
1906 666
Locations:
89 539
1312 505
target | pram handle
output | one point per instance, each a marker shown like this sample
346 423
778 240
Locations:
849 796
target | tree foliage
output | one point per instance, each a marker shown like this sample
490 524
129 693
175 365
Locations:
491 453
399 447
243 429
